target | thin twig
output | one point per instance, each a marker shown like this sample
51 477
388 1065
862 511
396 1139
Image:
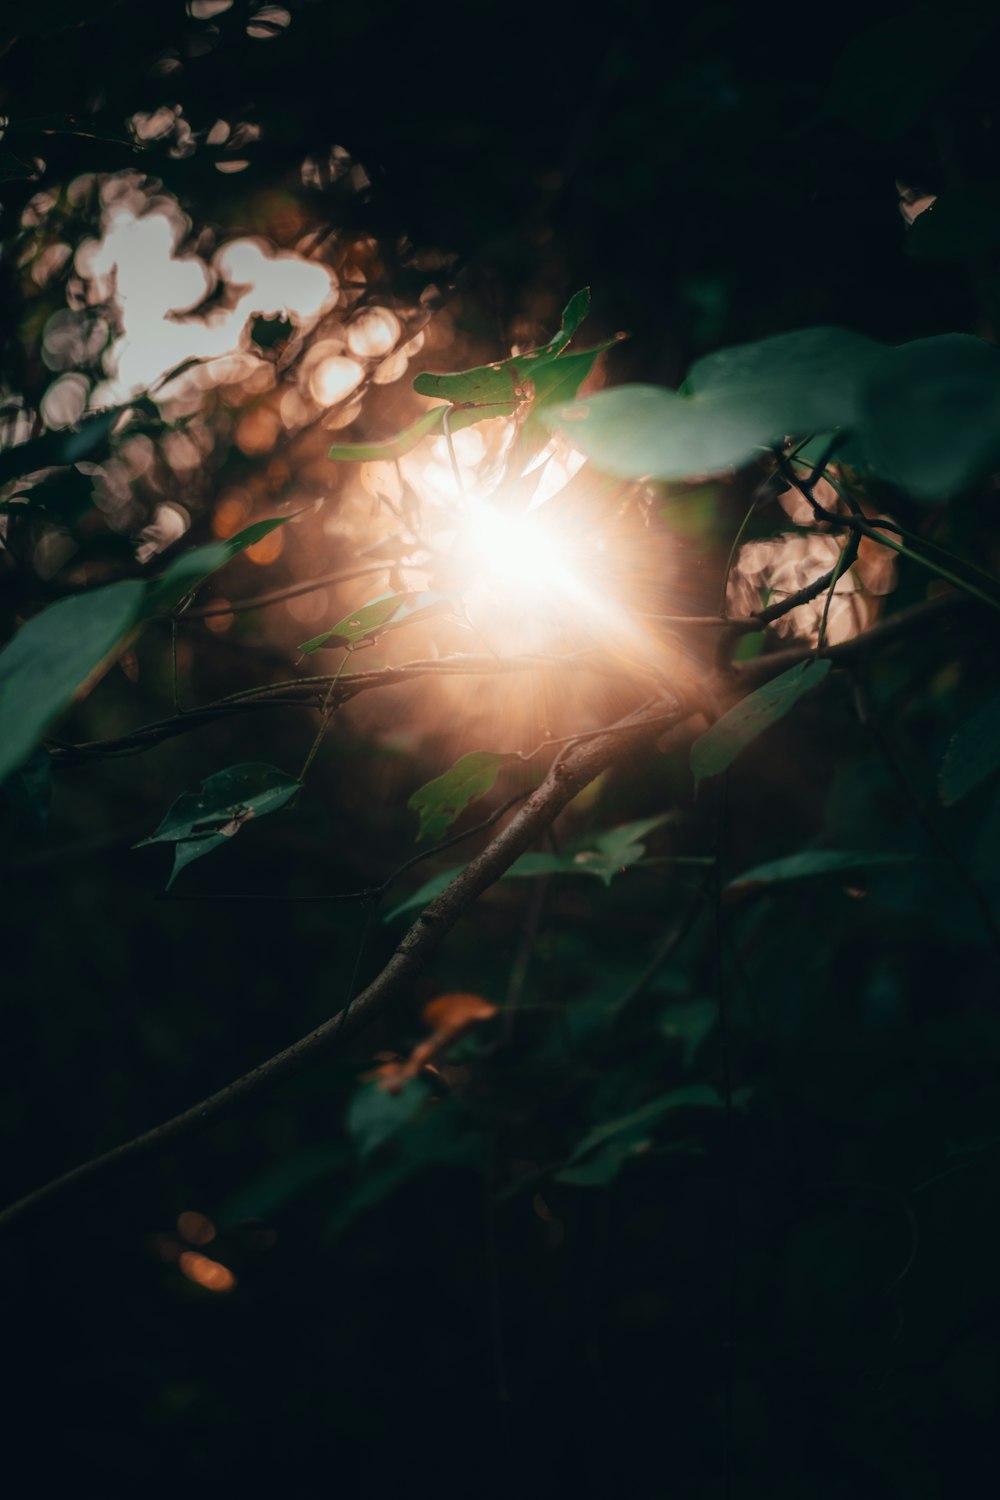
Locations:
566 778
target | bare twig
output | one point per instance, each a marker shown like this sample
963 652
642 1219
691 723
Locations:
566 778
276 596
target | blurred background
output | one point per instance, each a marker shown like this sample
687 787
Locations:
312 203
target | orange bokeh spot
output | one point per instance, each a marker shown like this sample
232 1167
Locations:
268 549
196 1228
229 516
206 1273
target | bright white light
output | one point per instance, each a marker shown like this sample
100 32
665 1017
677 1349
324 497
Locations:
518 551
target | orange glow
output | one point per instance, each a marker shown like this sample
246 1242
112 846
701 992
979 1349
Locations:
230 514
196 1228
205 1272
267 550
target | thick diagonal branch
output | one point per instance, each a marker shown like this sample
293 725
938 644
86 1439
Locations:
567 776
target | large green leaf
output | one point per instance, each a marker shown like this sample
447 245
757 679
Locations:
929 417
645 431
390 612
191 568
439 802
56 657
719 746
199 822
974 753
811 864
793 383
736 404
504 379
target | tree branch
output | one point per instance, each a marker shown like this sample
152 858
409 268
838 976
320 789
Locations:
567 776
310 692
896 626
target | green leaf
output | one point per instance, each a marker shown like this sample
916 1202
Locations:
374 1115
606 856
29 789
439 802
199 822
431 421
66 447
186 572
811 864
792 383
394 447
390 612
691 1096
930 415
736 404
434 1138
962 224
424 894
57 657
271 1190
973 754
719 746
504 379
601 1169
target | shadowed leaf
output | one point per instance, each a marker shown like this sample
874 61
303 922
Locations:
202 821
719 746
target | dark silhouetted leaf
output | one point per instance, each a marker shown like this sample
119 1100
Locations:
66 447
811 864
930 415
29 789
186 572
374 1114
973 754
617 1139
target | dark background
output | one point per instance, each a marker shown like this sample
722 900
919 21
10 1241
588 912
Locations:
715 176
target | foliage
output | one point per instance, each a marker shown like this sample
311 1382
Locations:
709 1160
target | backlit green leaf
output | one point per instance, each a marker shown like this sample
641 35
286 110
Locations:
439 802
390 612
504 379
